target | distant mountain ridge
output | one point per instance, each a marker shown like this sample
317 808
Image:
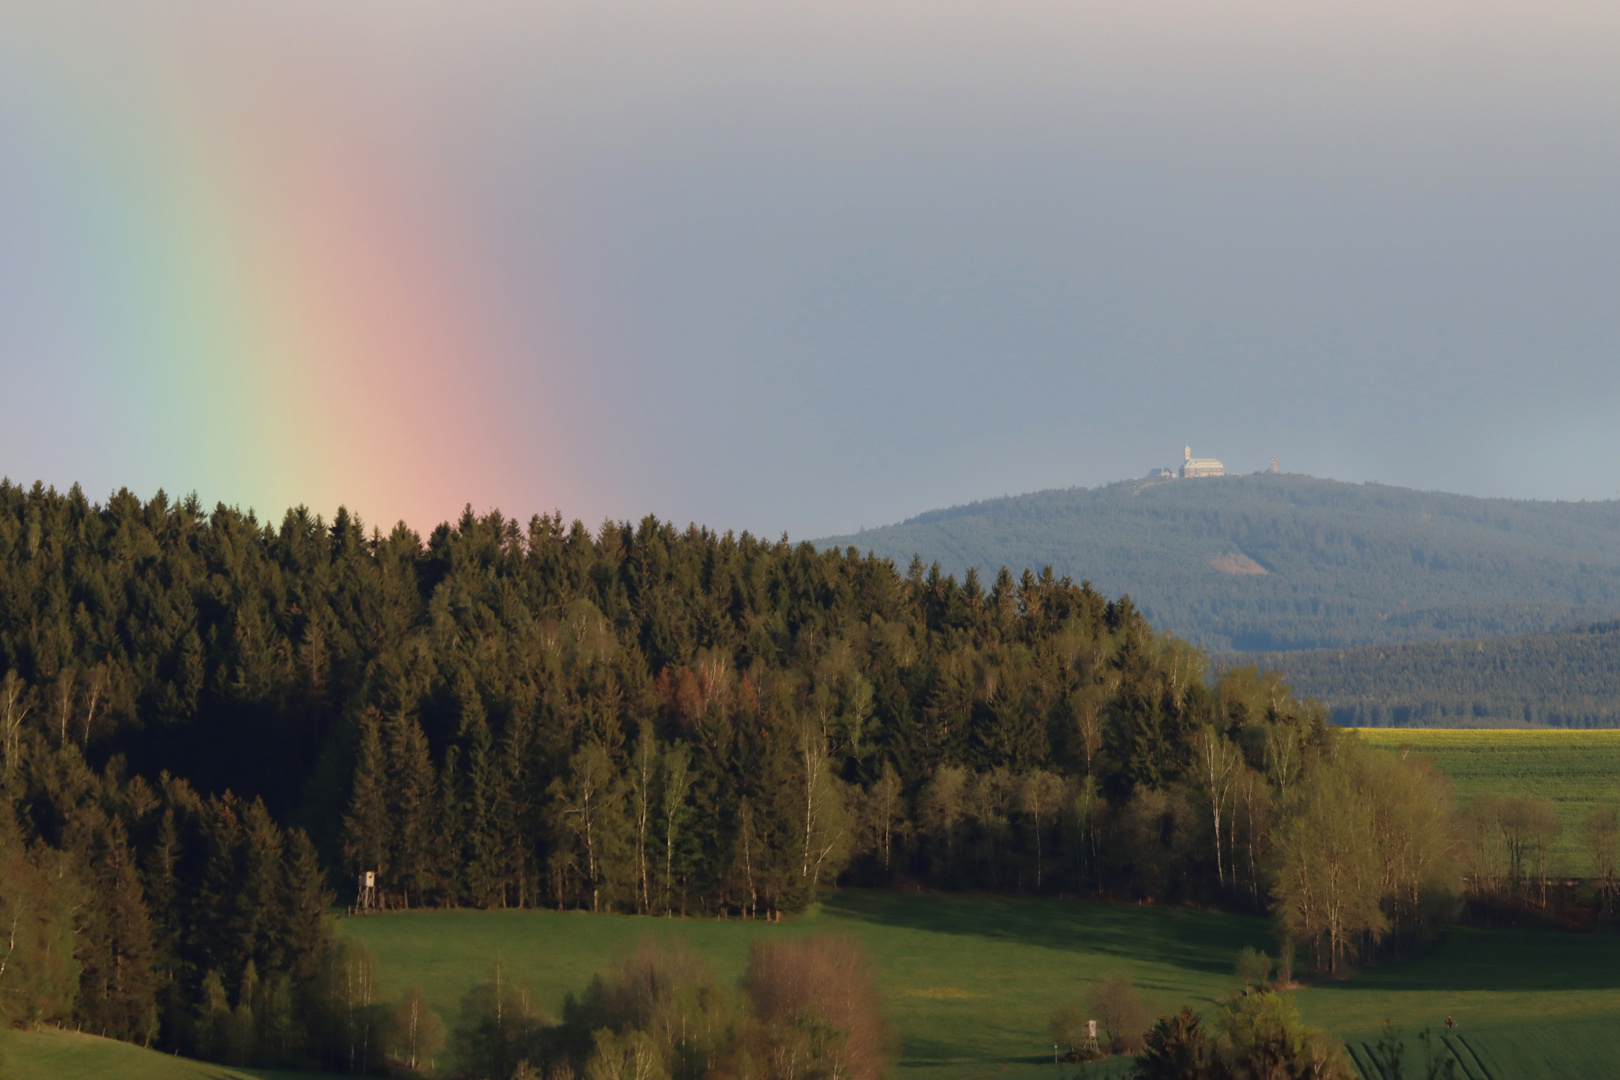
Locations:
1284 562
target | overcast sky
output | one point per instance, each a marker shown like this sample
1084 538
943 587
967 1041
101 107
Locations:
812 267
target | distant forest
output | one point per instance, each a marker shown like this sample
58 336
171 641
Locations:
1569 679
1271 563
211 726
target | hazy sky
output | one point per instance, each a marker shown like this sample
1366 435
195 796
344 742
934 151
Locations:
804 267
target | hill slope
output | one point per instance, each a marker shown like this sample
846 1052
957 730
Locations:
55 1054
1569 679
1292 562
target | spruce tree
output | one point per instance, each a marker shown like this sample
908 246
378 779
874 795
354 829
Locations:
412 809
120 1000
261 890
448 842
482 852
303 902
366 831
514 799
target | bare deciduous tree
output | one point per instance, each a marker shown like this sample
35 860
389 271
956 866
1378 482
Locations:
1600 831
825 980
1120 1011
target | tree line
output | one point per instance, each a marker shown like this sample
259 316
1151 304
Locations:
150 913
1567 679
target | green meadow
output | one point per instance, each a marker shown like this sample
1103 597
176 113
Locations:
1576 770
970 981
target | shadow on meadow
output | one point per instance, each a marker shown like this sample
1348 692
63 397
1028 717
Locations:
1501 961
1206 942
1199 941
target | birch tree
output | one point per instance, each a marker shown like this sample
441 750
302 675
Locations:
1040 797
643 771
824 822
15 704
675 780
884 807
1218 763
941 807
588 806
1328 874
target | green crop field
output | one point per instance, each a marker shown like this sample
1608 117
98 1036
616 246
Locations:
970 981
1577 770
68 1055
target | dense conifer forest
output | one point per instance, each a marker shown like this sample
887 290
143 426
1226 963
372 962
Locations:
209 726
1569 679
1284 562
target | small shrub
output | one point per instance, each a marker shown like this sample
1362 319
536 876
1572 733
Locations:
819 989
1263 1036
1177 1049
1285 957
1067 1026
1123 1016
1253 968
1070 1033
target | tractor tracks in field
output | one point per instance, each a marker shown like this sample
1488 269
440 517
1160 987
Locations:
1470 1066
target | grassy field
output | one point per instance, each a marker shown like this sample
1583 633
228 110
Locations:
970 981
67 1055
1577 770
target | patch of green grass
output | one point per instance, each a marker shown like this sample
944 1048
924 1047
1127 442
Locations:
1528 1005
1577 770
69 1055
970 981
1484 979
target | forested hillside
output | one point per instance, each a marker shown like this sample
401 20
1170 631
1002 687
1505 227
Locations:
1268 562
1569 679
642 718
210 726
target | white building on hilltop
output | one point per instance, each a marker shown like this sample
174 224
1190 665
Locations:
1199 466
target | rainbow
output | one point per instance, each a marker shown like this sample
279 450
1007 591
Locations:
265 298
